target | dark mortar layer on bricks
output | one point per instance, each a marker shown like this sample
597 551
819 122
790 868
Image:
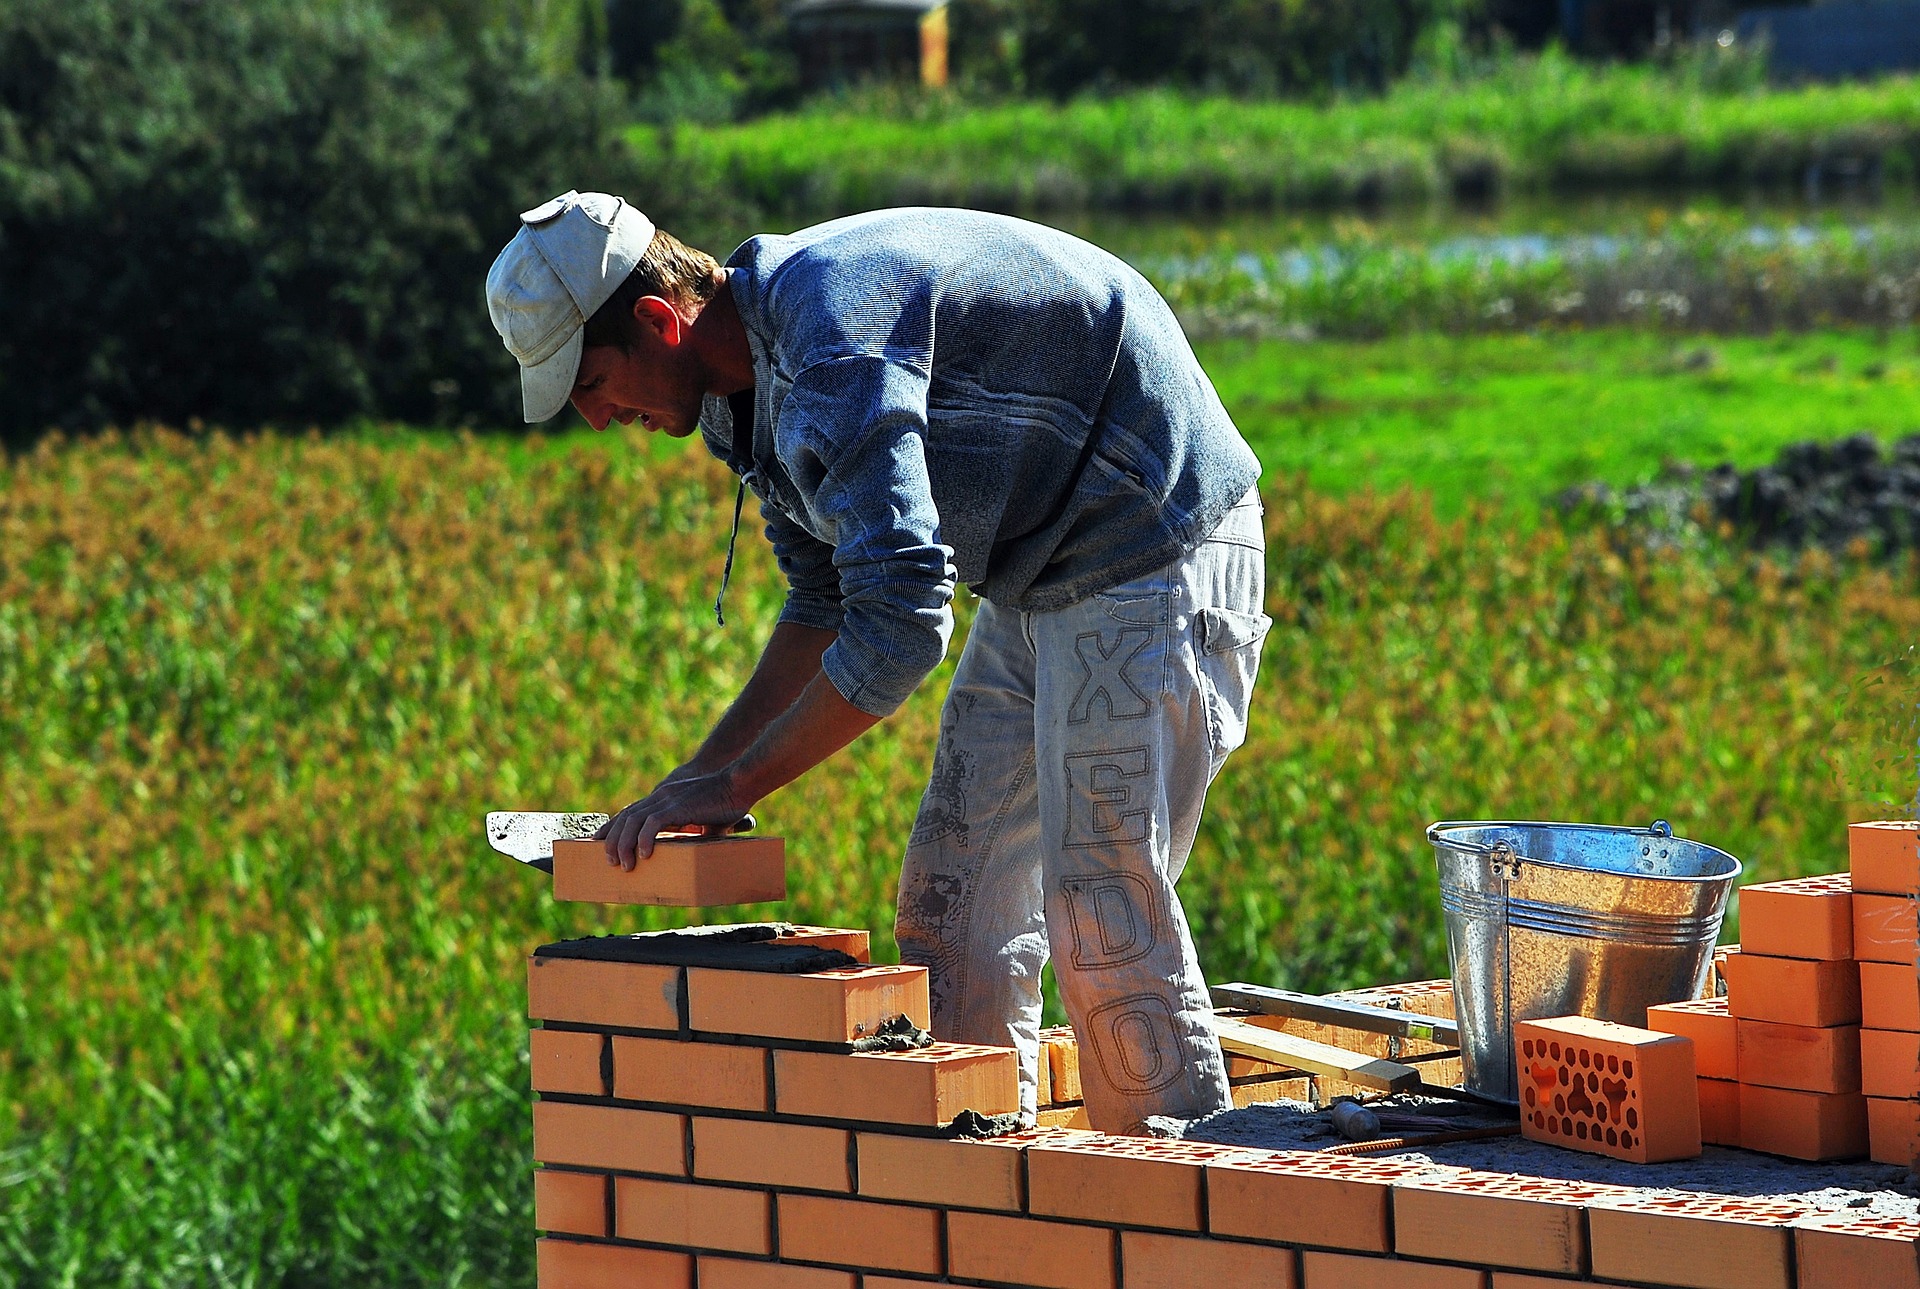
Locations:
754 947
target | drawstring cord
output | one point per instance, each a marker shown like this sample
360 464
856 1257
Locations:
726 573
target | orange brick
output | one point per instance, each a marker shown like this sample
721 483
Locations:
568 1061
570 1264
1893 1129
1719 1112
1710 1025
1330 1201
1853 1251
927 1087
1265 1091
698 1217
1701 1242
628 995
772 1154
885 1237
1062 1054
1885 857
836 1006
720 1075
1792 991
1179 1262
591 1136
1495 1220
1889 996
1515 1280
952 1174
682 873
1027 1251
570 1203
1803 1125
735 1273
1805 917
1346 1271
1889 1063
1884 929
855 944
1800 1056
1134 1181
1065 1116
1609 1089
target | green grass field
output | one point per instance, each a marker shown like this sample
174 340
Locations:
261 1009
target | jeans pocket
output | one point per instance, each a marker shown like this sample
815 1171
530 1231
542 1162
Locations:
1228 660
1135 608
1224 630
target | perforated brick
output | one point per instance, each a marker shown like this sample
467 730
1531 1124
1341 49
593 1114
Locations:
1893 1129
570 1203
1853 1251
927 1087
591 1136
1155 1261
1792 991
1884 929
1132 1181
1889 996
624 995
884 1237
952 1174
835 1006
1325 1201
1719 1112
1804 917
681 872
772 1154
1348 1271
573 1264
1889 1063
738 1273
1800 1056
1496 1220
721 1076
568 1061
1803 1125
1885 856
1699 1242
1610 1089
698 1217
1711 1027
1029 1251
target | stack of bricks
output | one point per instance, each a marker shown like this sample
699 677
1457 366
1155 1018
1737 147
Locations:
706 1127
1785 1064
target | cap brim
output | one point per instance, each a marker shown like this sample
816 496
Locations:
546 386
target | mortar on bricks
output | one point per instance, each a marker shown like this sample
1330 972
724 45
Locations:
1558 919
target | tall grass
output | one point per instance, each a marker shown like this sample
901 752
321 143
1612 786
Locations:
261 1009
1535 123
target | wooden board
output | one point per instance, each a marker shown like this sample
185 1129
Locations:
1314 1058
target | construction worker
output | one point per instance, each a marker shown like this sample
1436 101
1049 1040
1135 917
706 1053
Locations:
923 398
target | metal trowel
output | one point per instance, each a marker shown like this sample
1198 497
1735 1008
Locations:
528 835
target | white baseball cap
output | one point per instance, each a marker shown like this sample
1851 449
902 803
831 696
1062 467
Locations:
568 257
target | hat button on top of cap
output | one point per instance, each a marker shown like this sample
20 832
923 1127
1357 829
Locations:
549 210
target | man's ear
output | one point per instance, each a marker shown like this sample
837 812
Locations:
660 317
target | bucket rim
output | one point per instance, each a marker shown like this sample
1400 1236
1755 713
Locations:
1659 828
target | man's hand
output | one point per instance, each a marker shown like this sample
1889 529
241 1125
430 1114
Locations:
698 803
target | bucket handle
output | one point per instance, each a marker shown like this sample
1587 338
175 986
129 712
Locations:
1505 859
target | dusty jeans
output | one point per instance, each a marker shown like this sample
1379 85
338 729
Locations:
1076 747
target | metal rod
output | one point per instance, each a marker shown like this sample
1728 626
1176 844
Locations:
1415 1143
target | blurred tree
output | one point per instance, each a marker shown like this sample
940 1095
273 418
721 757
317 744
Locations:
263 211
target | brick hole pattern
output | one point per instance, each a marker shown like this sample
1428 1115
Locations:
1571 1091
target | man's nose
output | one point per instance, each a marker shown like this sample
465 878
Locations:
597 414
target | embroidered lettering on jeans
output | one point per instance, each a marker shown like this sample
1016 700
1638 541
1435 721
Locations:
1103 806
1137 1043
1106 680
1112 919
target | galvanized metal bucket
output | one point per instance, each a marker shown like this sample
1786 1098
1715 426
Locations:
1554 919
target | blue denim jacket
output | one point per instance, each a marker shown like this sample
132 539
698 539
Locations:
946 395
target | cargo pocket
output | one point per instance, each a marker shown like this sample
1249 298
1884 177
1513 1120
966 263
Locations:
1229 659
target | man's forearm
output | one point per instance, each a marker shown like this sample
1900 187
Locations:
816 726
788 664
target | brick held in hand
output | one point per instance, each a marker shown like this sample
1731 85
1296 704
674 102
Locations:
1803 917
1711 1027
1610 1089
837 1006
1792 991
1812 1126
1885 929
926 1087
682 872
1884 857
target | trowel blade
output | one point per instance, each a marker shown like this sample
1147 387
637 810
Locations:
528 835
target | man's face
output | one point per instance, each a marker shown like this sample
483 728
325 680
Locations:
654 381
